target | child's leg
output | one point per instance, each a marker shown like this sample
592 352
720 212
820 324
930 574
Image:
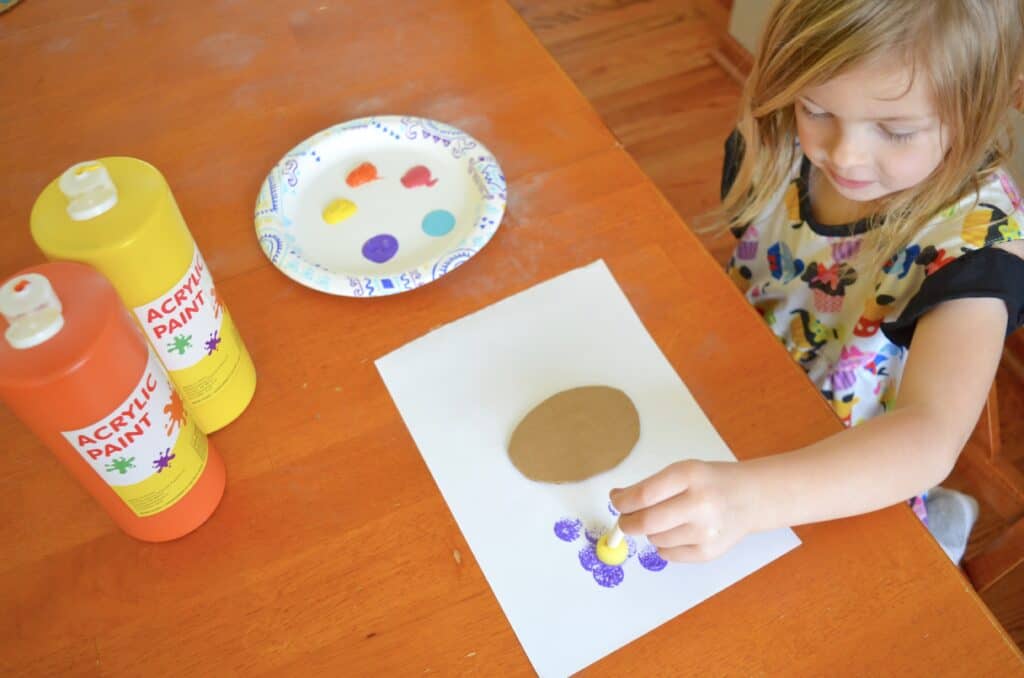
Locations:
949 516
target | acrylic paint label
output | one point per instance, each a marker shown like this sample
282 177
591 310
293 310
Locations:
183 324
220 363
148 450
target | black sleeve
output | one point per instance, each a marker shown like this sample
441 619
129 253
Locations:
733 158
985 272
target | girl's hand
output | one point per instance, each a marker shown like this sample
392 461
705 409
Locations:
691 511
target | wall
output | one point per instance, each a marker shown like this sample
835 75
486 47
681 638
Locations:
748 16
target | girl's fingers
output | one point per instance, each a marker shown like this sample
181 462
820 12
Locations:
688 534
667 483
662 517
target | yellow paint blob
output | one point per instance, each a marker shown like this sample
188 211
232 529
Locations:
338 211
611 556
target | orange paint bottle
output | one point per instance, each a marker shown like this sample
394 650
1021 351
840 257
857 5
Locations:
76 370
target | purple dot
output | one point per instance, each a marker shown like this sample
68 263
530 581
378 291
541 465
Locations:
650 559
609 576
568 529
589 559
593 534
380 248
606 575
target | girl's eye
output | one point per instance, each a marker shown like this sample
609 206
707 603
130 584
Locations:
812 114
897 137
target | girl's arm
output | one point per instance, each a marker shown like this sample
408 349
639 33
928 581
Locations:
949 370
696 510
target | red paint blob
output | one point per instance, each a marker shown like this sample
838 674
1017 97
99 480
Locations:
418 176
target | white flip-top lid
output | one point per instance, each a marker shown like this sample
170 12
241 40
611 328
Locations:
89 190
32 309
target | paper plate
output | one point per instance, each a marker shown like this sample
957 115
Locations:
379 206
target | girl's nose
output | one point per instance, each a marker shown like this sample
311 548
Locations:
848 150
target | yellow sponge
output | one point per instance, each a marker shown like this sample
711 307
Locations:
612 555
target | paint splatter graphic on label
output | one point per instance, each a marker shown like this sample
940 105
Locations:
163 461
176 413
212 343
607 576
121 464
217 305
181 344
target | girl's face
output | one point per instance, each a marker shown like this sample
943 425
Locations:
872 130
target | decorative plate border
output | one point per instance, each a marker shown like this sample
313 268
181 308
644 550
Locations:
275 234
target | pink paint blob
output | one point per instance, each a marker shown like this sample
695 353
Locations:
418 176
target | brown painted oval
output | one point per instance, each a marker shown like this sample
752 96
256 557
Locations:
575 434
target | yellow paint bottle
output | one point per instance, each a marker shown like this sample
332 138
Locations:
119 215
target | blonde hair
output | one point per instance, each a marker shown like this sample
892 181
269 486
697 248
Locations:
970 51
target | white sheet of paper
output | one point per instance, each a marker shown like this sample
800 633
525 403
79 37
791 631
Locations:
463 388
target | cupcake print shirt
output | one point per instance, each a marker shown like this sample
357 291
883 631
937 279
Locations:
849 329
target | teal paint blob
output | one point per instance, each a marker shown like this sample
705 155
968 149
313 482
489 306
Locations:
438 223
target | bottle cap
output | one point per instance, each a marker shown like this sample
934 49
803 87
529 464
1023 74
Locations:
89 190
33 310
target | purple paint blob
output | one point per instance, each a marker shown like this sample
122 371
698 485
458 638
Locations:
609 576
380 248
568 529
605 575
650 559
588 558
611 509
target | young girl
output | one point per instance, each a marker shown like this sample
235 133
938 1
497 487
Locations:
880 238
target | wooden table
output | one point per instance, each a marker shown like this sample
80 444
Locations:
333 552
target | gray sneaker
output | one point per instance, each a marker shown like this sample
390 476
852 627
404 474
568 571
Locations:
951 515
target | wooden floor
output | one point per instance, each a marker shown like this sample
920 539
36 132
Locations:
649 68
